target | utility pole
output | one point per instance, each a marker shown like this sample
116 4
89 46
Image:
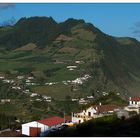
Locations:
9 123
64 117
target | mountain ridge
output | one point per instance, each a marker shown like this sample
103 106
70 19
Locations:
112 61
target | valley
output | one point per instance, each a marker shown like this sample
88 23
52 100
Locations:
49 68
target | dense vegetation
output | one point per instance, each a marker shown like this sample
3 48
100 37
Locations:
109 126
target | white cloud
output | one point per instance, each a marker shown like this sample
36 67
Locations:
6 5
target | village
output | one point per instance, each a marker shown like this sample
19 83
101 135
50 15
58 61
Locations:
49 125
53 124
23 82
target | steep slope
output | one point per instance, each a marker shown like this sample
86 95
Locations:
112 62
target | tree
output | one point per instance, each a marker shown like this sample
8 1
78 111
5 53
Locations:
67 97
92 92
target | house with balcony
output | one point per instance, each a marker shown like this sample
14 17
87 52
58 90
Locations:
134 105
94 111
135 101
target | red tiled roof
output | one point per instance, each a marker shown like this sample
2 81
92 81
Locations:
68 118
135 99
52 121
105 108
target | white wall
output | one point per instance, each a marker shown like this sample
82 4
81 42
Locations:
132 109
130 102
82 114
26 127
76 119
91 110
134 103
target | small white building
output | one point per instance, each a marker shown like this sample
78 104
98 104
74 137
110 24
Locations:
47 98
30 78
35 128
71 67
2 77
74 100
38 99
83 115
8 81
134 101
90 97
16 87
82 101
20 77
5 100
28 81
34 94
79 62
26 91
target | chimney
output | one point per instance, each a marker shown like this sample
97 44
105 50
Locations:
130 98
100 104
96 108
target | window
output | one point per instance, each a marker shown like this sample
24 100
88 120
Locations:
89 114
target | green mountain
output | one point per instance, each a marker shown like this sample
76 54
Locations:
39 42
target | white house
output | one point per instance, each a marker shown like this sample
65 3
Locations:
8 81
30 78
28 81
35 128
74 100
71 67
83 115
34 94
134 101
79 62
2 77
90 97
82 101
5 100
16 87
93 112
20 77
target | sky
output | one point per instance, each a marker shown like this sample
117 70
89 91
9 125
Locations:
121 20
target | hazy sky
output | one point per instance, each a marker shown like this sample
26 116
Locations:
113 19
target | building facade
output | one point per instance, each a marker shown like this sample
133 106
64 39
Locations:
35 128
134 101
93 112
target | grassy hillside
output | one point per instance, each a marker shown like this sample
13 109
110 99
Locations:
44 47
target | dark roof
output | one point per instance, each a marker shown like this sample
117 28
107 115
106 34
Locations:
105 108
10 134
68 118
52 121
135 99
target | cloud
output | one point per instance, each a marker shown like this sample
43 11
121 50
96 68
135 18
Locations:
6 5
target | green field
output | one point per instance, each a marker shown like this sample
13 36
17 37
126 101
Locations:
60 91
